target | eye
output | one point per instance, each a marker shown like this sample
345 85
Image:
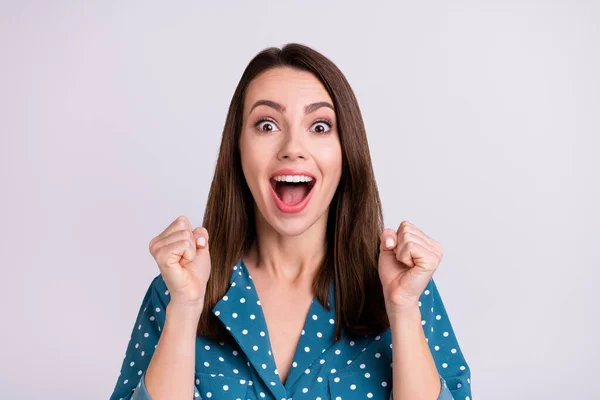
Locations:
267 123
321 122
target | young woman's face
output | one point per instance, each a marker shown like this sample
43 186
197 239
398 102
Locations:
291 137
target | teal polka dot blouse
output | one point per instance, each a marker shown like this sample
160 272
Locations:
322 368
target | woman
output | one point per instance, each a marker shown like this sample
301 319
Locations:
347 309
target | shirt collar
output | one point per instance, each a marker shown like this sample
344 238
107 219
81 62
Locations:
241 313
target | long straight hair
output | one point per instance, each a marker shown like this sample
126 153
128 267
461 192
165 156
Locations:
355 218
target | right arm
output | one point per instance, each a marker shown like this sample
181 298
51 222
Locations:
170 374
162 361
159 361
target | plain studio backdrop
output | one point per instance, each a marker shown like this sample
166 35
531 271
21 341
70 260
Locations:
482 119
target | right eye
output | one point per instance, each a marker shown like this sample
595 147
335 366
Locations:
267 122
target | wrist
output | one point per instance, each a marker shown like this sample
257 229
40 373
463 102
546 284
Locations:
184 310
404 315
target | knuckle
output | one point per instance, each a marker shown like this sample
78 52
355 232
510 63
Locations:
154 244
181 225
189 242
159 252
159 258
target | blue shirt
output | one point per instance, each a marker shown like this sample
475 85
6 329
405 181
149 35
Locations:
322 368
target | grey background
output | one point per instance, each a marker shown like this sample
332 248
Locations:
483 123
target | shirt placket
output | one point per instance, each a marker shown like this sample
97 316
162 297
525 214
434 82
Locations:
317 337
241 313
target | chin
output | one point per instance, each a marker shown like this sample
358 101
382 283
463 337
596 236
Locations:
292 228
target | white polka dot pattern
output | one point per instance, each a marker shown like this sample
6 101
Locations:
352 368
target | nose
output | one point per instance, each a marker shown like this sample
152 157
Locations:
292 147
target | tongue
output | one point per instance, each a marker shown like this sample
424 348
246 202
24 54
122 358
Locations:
292 194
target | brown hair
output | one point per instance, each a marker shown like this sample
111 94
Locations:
355 218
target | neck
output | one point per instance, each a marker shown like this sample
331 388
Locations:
291 260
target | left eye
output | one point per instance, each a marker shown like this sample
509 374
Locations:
322 123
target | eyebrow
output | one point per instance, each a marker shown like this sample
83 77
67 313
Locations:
280 108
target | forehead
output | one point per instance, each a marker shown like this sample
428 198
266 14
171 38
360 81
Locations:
290 87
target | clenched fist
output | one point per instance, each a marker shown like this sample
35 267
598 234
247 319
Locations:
407 261
183 258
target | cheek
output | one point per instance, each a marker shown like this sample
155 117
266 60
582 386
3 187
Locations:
254 163
248 160
330 159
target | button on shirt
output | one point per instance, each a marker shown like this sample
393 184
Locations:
321 369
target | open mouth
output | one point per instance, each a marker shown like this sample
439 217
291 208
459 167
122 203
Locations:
292 193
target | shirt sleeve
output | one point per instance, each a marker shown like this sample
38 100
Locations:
454 372
140 392
452 367
146 331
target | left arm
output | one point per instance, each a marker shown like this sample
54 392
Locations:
407 260
415 375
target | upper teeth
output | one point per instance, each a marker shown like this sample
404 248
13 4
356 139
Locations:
293 178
